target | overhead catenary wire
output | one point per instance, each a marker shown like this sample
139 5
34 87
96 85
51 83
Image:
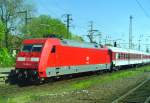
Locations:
143 9
60 7
48 10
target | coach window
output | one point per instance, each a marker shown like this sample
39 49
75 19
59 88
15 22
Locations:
140 56
132 57
126 56
119 56
122 56
116 55
129 56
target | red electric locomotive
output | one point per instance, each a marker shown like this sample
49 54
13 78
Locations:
40 59
51 57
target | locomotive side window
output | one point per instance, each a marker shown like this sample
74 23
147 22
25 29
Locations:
53 49
27 48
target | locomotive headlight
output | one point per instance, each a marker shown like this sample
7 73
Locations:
34 59
20 58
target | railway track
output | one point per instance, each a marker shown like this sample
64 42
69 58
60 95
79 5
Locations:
10 92
139 94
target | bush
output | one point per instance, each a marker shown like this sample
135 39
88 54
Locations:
6 60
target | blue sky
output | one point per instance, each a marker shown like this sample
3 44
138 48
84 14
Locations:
110 17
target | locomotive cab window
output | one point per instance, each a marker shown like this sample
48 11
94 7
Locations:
36 48
26 48
32 48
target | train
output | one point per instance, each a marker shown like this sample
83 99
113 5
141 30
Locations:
43 58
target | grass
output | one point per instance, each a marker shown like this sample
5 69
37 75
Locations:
30 94
108 78
3 99
88 83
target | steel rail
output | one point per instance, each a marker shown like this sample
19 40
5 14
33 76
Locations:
130 91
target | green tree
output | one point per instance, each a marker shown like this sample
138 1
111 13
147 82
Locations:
2 30
16 41
9 14
77 38
43 26
6 59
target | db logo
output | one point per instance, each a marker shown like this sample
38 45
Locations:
87 58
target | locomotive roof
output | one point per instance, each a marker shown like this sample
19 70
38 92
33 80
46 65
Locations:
116 49
79 44
34 40
65 42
